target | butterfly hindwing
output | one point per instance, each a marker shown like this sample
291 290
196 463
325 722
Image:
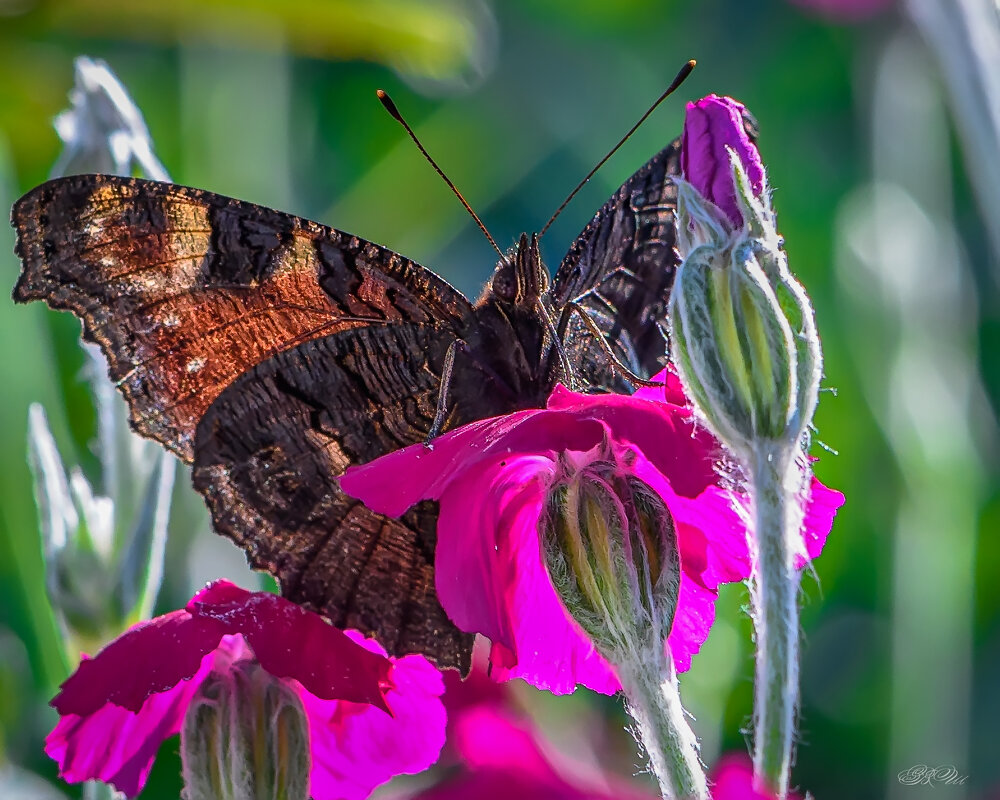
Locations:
185 290
271 351
267 457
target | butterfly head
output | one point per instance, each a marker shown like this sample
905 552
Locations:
521 278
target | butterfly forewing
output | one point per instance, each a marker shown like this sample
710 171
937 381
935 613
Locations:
205 308
621 267
185 290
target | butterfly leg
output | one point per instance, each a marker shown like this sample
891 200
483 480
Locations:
555 334
442 402
608 351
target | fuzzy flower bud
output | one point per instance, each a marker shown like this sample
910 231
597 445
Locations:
745 345
245 737
744 337
611 551
713 126
103 539
103 130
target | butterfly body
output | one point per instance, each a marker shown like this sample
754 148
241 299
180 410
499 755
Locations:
271 352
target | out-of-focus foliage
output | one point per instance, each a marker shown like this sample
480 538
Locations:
274 103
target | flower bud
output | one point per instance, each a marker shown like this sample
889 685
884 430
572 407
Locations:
744 339
714 127
245 737
103 558
103 131
104 542
611 552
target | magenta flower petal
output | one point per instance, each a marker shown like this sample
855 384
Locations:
505 759
156 655
711 125
143 661
497 472
369 718
393 483
732 779
292 642
488 737
117 746
820 510
475 689
683 453
356 747
672 390
516 605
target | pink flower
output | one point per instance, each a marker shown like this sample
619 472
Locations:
732 779
713 126
845 10
491 478
369 717
502 756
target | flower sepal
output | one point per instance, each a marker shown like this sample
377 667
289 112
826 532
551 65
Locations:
611 550
700 223
245 734
744 338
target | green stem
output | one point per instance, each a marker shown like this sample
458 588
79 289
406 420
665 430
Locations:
775 483
653 700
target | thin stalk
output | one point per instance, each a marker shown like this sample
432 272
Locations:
775 482
653 700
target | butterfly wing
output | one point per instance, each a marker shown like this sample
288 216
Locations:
621 267
271 351
267 456
185 290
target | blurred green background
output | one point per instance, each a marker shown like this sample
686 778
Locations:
274 103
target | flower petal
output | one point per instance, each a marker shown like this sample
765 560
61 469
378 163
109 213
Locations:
495 582
394 482
683 452
293 642
732 779
491 478
821 508
116 745
711 125
672 390
150 657
356 747
506 758
713 550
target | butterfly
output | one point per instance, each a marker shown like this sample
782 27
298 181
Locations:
271 352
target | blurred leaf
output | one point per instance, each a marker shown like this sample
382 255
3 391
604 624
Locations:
437 39
19 784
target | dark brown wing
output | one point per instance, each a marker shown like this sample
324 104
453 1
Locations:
271 352
267 456
185 290
622 265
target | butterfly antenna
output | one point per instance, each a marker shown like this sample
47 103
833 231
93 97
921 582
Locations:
677 81
391 108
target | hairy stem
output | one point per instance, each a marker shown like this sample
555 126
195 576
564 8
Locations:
775 483
653 700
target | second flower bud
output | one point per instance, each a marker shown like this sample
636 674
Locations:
611 551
